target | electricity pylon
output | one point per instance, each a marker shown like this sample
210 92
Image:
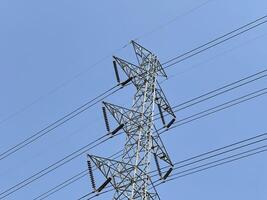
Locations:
131 177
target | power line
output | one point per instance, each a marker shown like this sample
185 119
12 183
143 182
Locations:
213 156
217 109
58 123
214 40
130 176
229 161
225 147
193 161
242 44
25 142
173 20
220 90
65 118
220 107
63 185
221 153
52 167
69 181
106 165
226 87
260 138
79 74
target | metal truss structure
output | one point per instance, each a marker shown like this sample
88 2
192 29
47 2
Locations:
130 177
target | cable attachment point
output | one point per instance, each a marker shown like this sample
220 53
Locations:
116 72
106 119
117 129
170 123
91 175
157 164
104 185
127 81
161 115
167 173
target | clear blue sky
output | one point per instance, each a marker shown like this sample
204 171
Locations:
45 43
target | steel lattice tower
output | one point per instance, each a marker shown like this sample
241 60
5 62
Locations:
130 177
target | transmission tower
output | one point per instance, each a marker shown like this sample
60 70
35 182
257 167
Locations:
131 176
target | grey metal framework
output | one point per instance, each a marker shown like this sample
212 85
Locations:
131 177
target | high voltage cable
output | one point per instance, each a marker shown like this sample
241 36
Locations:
204 169
64 119
203 165
58 123
216 109
194 8
189 119
25 142
219 160
173 20
214 40
65 184
242 44
50 168
64 83
232 160
213 162
222 148
75 113
213 156
221 153
217 44
212 109
224 87
68 181
219 108
220 91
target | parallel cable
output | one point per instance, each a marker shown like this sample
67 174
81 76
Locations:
224 87
52 167
32 138
217 108
222 159
240 99
65 118
101 60
219 91
225 159
173 20
39 133
51 192
221 107
220 153
58 123
228 106
196 65
214 40
226 147
67 182
225 162
216 45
